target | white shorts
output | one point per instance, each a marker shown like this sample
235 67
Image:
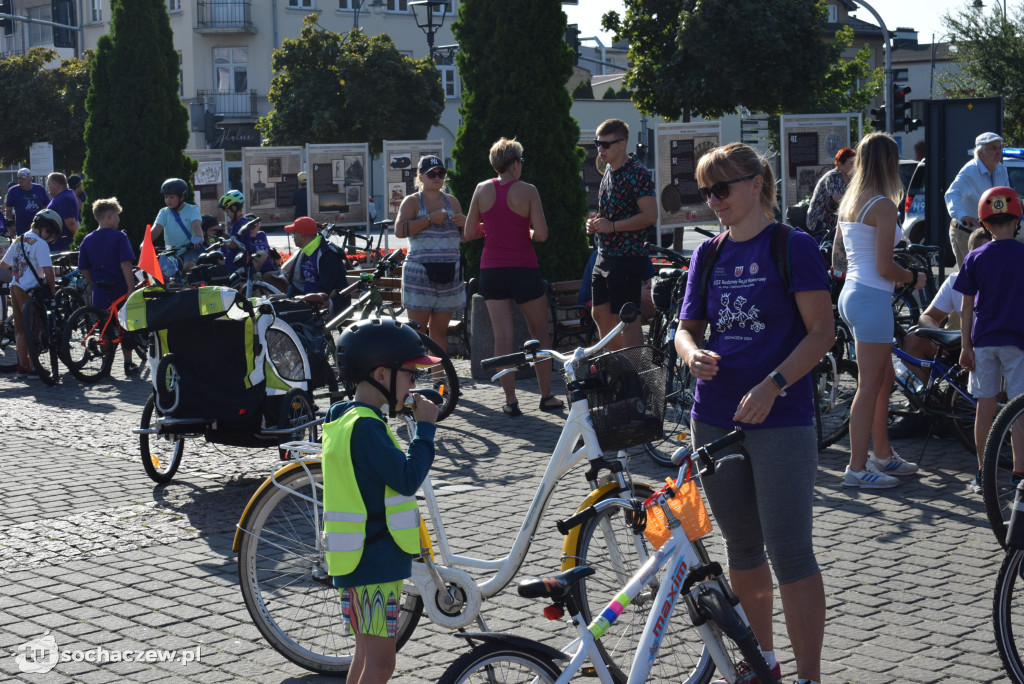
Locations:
991 366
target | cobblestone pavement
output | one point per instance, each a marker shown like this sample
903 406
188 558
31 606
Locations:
93 555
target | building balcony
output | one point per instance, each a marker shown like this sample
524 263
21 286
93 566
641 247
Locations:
224 16
230 105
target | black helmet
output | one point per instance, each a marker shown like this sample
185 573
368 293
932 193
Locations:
209 222
369 344
174 186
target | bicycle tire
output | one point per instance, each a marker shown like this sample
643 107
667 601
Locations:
8 345
285 586
997 486
729 627
443 373
87 354
42 349
296 409
906 312
1005 623
962 412
615 559
160 470
833 396
500 663
680 387
167 381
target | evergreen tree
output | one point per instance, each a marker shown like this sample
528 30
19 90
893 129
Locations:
503 96
610 94
583 91
137 128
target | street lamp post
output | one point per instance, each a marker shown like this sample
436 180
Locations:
431 23
377 6
887 95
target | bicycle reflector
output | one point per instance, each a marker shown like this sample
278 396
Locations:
553 612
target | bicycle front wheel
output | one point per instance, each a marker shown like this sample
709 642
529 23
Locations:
607 544
833 397
962 412
498 663
733 636
443 377
283 572
88 355
42 347
998 487
1008 613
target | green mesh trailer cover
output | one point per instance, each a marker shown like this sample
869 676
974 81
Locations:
154 308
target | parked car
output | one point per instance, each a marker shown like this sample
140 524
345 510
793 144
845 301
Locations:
914 226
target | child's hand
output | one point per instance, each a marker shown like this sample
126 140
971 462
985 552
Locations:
967 358
424 410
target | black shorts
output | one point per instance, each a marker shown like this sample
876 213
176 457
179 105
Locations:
618 280
521 284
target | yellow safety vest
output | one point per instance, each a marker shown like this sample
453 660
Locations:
344 509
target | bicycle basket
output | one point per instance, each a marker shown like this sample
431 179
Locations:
686 505
628 406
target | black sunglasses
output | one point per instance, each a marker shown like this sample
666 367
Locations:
721 188
436 173
605 144
414 373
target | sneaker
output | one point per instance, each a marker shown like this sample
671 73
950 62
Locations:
869 478
893 465
31 374
976 483
744 670
131 368
20 372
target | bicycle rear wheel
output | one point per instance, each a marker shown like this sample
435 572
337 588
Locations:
607 544
162 455
833 395
998 487
283 573
87 354
443 377
1008 613
679 392
42 345
499 663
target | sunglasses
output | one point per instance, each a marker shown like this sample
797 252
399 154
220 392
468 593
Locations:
436 173
414 373
721 188
605 144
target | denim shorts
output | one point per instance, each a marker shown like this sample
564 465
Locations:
868 312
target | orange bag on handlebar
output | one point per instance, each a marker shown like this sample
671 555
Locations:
686 505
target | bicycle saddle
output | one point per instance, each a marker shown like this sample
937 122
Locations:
947 339
556 587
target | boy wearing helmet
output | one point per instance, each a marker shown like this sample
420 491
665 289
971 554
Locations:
29 259
992 331
371 528
180 222
254 239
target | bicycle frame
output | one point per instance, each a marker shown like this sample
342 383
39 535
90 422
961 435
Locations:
937 372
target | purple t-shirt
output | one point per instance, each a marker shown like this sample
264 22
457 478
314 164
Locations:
101 253
66 204
26 204
754 323
992 274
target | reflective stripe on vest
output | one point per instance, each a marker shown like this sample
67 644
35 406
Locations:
344 509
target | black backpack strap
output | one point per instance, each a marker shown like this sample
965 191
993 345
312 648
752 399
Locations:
781 237
712 252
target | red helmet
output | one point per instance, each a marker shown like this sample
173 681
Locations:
999 200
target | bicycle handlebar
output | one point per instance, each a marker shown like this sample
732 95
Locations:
705 232
347 233
704 453
677 258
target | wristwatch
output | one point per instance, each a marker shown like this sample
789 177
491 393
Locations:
779 381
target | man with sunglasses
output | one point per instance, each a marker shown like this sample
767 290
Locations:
627 210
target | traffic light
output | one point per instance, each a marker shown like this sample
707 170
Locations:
7 25
572 37
878 118
899 106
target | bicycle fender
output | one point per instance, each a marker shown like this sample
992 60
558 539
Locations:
266 483
570 540
520 643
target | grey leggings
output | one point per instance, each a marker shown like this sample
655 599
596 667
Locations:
766 500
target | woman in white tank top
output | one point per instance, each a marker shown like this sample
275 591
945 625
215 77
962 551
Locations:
865 237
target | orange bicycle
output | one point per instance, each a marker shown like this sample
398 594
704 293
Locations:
91 337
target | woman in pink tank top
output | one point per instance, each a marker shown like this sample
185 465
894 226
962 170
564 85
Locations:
508 214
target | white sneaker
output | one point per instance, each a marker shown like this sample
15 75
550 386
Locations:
892 466
869 478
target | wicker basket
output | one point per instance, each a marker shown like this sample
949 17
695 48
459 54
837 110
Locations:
629 406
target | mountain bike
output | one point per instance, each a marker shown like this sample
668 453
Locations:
1007 606
281 560
998 483
676 512
44 317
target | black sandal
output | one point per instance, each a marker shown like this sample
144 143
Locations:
512 409
546 405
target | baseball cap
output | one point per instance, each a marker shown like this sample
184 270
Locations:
302 176
428 163
986 138
24 173
303 225
422 361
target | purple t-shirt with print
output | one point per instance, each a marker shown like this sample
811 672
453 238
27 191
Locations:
992 274
754 323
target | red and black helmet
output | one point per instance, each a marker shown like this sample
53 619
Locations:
999 201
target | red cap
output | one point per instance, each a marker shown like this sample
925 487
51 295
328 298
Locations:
303 225
422 361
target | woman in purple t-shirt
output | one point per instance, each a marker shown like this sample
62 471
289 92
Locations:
765 339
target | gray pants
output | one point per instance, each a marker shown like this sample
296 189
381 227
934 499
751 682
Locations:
766 500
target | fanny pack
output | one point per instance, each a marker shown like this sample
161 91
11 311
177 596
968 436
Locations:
441 272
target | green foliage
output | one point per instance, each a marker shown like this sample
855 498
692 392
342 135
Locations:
330 88
712 56
137 128
624 93
610 94
583 91
43 105
990 51
502 97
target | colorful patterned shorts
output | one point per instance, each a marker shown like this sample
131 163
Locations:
371 609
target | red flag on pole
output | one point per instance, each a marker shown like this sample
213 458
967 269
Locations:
148 261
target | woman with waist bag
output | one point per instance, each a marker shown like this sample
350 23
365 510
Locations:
432 288
508 214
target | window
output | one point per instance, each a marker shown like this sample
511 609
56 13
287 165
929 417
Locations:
301 4
398 5
346 4
173 5
96 11
231 69
449 82
833 14
181 77
39 34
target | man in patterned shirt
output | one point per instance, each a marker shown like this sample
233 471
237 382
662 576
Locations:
627 211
